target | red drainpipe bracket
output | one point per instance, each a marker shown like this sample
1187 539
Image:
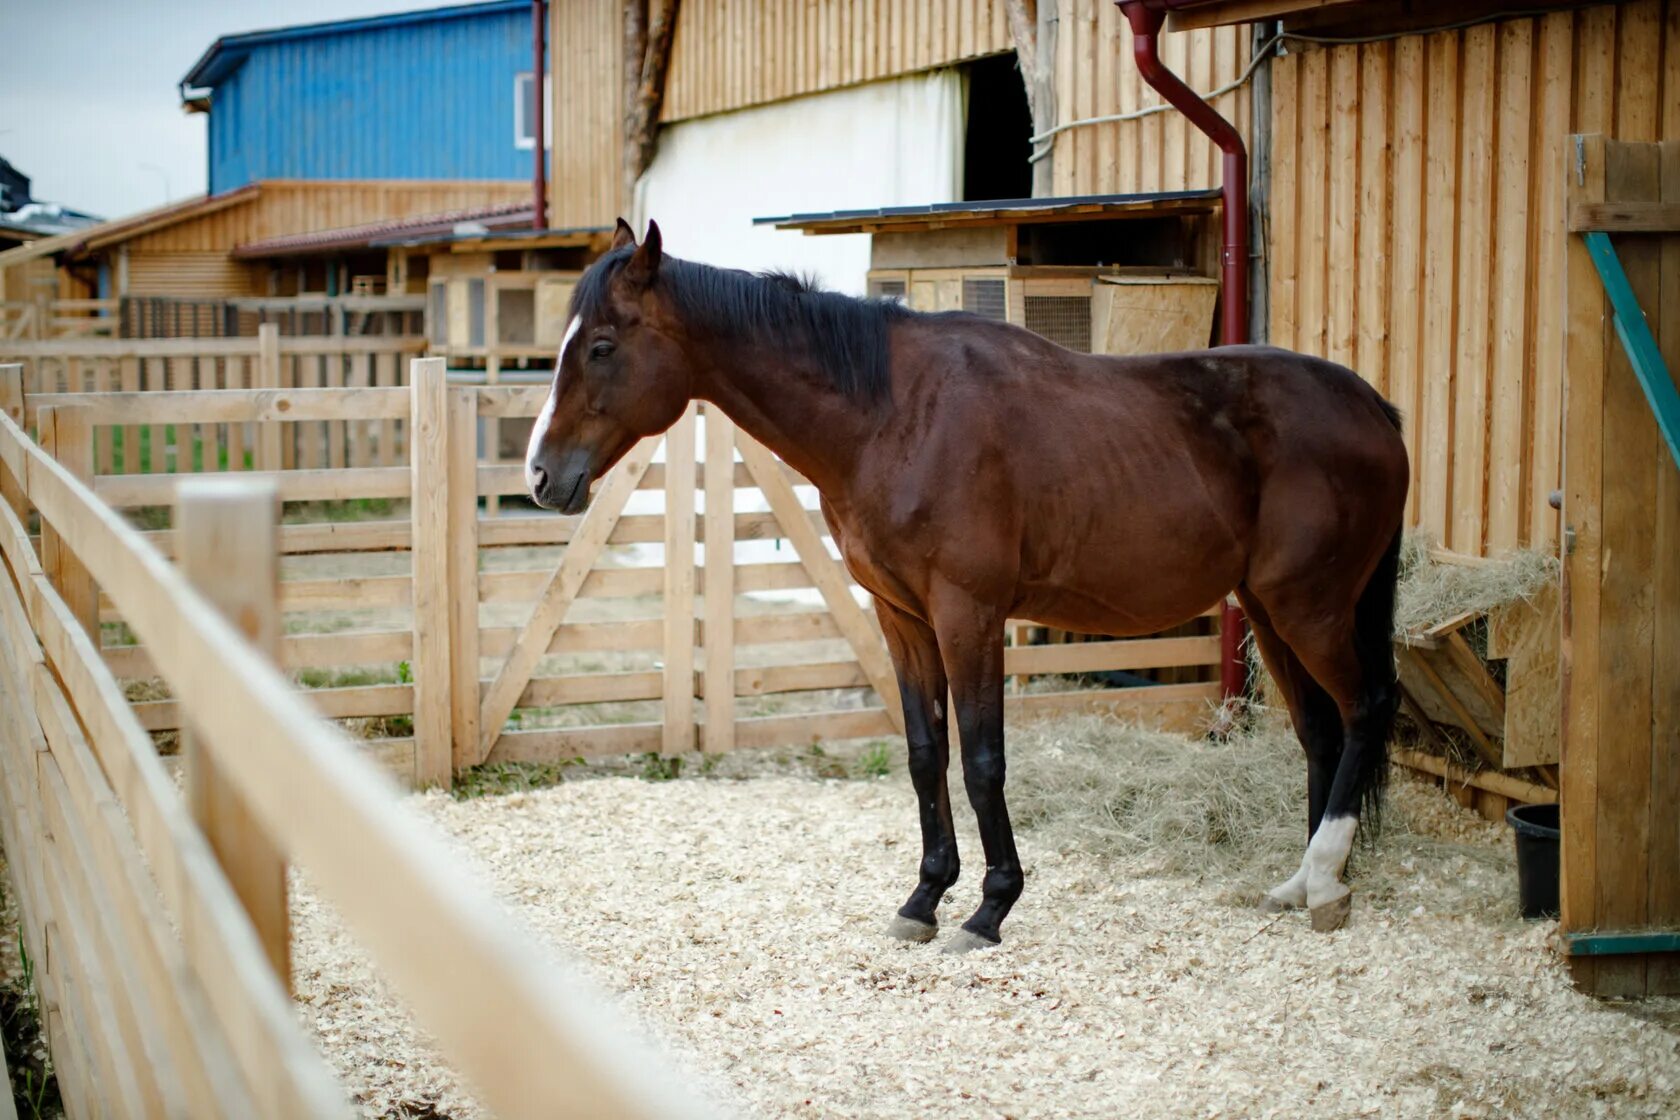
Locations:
1146 18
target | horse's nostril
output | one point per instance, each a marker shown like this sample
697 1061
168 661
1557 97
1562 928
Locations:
539 479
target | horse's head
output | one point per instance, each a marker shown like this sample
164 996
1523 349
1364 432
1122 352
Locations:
620 376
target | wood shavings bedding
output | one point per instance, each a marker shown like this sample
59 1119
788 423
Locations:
741 921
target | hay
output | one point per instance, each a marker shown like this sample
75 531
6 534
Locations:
1431 592
1120 790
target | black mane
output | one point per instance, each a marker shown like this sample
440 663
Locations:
847 336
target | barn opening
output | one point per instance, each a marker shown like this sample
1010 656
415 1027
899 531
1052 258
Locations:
997 131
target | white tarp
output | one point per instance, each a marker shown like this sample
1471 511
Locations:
892 143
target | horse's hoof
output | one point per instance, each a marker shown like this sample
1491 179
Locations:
966 941
1332 915
1272 904
909 929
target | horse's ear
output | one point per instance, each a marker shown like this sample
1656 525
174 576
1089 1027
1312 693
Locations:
644 262
622 236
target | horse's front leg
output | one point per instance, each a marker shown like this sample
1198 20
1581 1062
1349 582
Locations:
921 683
971 641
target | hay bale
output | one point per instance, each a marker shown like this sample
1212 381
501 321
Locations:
1431 592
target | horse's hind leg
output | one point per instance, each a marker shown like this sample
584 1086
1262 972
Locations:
1318 725
922 686
1348 652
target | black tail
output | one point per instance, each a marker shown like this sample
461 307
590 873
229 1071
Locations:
1373 641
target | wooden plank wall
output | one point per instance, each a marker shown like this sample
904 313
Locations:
728 54
732 54
1416 234
585 177
285 206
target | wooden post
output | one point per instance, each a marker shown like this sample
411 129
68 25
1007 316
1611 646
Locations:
429 510
227 543
679 586
720 581
463 575
12 404
67 436
267 376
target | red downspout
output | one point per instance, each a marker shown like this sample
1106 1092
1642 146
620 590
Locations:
1146 18
539 159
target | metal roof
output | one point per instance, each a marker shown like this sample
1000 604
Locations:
997 211
419 228
228 52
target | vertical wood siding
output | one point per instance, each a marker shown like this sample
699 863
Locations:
1416 233
729 54
732 54
587 61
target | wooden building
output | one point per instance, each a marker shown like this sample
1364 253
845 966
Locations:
191 249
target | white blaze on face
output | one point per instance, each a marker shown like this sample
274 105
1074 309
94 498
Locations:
540 428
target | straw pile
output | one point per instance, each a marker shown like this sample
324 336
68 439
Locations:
741 921
1431 592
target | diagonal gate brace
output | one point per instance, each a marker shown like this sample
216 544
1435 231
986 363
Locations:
1635 333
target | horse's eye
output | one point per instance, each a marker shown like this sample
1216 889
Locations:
601 349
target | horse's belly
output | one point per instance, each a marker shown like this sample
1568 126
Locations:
1124 590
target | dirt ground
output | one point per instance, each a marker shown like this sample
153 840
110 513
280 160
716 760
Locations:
740 919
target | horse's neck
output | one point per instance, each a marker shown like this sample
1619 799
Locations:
788 405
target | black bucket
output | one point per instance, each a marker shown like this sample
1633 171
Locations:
1537 832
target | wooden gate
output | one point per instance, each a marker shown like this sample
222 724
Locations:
766 642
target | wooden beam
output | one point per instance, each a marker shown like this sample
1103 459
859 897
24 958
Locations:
1625 217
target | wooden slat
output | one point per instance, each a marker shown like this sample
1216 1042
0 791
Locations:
429 478
830 579
220 406
127 491
540 629
719 686
680 532
462 575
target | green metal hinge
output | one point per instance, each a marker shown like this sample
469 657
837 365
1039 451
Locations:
1609 942
1641 347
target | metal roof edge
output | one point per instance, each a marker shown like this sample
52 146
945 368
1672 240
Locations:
245 40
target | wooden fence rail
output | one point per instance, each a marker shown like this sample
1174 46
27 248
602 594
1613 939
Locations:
544 638
160 994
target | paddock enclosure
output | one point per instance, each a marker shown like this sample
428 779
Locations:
158 919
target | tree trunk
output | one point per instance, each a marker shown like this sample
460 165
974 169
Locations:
645 89
1033 28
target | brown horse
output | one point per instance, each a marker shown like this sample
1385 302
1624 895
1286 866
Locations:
972 471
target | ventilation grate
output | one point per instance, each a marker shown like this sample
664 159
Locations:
1064 320
887 289
984 297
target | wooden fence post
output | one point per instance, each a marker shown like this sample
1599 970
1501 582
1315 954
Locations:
679 586
12 404
67 436
267 376
463 574
429 512
720 582
227 543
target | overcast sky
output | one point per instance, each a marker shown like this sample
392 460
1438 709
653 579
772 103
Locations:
88 102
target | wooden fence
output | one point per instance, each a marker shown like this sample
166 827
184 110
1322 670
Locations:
536 637
266 362
158 923
57 318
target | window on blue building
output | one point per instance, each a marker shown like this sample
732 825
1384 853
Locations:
524 112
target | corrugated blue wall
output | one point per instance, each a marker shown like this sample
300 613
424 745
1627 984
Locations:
421 101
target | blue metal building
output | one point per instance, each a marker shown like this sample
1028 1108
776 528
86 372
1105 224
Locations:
415 95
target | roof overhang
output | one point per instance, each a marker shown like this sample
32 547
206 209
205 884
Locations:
81 241
1351 17
1014 211
229 52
